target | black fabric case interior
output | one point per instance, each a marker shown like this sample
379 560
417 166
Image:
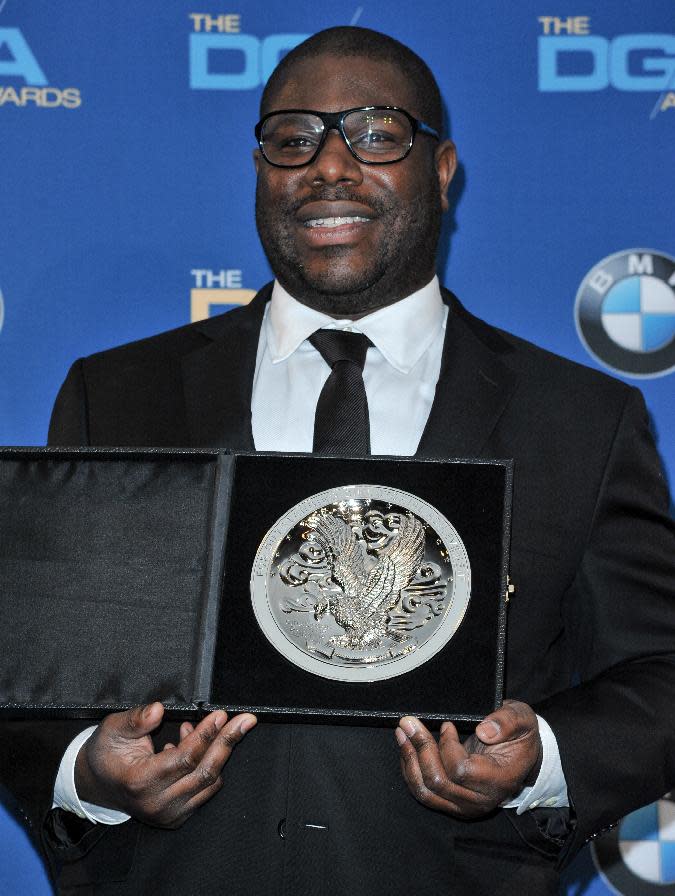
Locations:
104 556
126 578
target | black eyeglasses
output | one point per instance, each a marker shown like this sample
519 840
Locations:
375 135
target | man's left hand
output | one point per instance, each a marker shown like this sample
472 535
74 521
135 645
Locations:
472 778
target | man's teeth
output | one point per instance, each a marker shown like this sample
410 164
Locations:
333 222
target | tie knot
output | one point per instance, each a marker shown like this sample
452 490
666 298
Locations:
340 345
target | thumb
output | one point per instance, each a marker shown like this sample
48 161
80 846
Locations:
489 731
511 721
140 721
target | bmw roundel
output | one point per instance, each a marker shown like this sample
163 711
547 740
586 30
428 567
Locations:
625 312
638 857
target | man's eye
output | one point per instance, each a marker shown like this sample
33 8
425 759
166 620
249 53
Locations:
301 140
374 139
295 142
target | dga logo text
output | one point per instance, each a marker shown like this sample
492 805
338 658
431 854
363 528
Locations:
222 57
572 59
17 61
216 291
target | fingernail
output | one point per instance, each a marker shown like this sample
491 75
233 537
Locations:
488 728
147 710
400 737
247 723
219 719
408 725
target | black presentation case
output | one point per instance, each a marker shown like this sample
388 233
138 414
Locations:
125 578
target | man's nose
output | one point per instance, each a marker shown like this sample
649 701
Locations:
334 163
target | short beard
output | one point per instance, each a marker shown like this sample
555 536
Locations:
405 261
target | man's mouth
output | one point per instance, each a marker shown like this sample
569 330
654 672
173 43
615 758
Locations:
338 222
335 221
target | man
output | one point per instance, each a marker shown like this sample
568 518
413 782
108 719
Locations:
349 217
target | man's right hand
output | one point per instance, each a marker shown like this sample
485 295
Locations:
118 767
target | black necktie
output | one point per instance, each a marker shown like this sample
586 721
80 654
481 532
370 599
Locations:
341 424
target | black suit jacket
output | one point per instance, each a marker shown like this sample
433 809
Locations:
590 643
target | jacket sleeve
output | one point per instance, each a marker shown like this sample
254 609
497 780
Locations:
616 727
69 424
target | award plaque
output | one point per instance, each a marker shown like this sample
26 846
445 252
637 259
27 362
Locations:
300 588
360 583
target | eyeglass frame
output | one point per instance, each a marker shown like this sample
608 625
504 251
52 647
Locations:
334 121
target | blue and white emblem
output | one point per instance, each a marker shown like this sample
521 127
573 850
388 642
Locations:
625 312
638 857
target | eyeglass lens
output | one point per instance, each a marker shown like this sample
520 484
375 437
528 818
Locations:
375 135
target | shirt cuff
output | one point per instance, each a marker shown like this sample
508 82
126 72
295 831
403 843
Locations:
65 795
550 788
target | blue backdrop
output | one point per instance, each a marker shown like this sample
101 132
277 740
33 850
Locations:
126 133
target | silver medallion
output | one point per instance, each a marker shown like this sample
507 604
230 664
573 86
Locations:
360 583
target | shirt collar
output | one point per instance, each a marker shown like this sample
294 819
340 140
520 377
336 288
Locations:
402 332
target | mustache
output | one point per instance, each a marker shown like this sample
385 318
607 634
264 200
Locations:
343 193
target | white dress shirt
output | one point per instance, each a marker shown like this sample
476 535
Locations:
400 373
400 376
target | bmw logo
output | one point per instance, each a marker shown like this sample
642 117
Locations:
638 857
625 312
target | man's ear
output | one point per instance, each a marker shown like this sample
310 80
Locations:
256 160
445 158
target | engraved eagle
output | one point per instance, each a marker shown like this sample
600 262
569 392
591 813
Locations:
371 570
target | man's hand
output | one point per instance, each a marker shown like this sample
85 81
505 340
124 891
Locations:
119 769
470 779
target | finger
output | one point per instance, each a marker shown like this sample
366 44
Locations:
176 809
428 755
445 767
172 765
185 729
221 749
201 797
430 764
412 774
456 758
425 744
194 789
510 722
135 723
206 773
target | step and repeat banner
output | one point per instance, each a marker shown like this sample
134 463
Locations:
127 201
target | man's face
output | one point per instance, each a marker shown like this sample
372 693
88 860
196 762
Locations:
387 247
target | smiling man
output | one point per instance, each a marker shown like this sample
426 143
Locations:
350 215
356 348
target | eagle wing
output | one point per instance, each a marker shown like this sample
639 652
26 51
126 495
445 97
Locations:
397 564
343 550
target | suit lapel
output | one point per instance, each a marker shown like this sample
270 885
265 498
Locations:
473 388
218 378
